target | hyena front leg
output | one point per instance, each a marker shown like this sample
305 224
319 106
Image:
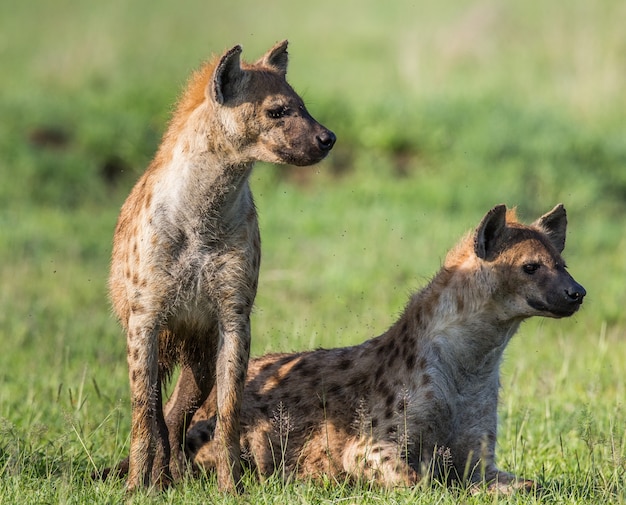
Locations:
499 482
379 462
148 428
232 364
484 471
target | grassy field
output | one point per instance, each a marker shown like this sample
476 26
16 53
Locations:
441 109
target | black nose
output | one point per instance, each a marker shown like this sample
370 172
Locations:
326 140
576 293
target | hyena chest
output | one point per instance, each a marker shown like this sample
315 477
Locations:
430 409
212 269
453 419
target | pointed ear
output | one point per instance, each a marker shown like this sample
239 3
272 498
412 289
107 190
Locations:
277 58
489 231
227 77
554 224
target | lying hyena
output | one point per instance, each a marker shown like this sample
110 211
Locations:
186 255
421 397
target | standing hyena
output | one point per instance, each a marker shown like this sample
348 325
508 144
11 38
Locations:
186 254
423 396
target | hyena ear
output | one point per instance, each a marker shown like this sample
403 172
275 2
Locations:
228 76
554 224
277 58
489 232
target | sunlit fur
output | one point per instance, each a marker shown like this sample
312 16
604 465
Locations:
186 255
421 399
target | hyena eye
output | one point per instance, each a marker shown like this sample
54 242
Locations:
277 112
531 268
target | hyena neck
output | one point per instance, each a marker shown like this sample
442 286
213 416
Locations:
203 183
450 321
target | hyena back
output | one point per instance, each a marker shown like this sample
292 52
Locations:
420 399
186 255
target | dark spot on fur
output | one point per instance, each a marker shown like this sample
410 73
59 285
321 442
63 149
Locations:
265 410
266 367
410 361
389 413
133 376
392 358
374 422
136 355
379 373
389 401
135 278
386 459
305 371
404 327
358 382
344 364
204 436
426 379
422 363
299 365
429 395
286 359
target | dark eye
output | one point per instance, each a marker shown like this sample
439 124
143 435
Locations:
531 268
277 112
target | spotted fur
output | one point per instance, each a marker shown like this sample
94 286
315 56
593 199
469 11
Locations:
186 255
420 399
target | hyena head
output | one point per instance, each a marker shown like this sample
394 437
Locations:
524 266
261 114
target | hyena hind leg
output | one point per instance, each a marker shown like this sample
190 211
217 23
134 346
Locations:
379 462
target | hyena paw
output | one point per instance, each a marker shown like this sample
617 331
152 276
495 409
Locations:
507 484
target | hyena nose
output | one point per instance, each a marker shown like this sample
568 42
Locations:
576 293
326 140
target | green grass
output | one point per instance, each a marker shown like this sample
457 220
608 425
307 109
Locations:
441 110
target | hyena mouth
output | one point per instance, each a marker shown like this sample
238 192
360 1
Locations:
303 159
558 311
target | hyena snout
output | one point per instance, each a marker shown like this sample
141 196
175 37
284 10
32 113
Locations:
325 140
575 293
305 141
312 146
566 297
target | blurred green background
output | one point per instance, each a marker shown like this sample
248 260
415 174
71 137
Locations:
441 109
